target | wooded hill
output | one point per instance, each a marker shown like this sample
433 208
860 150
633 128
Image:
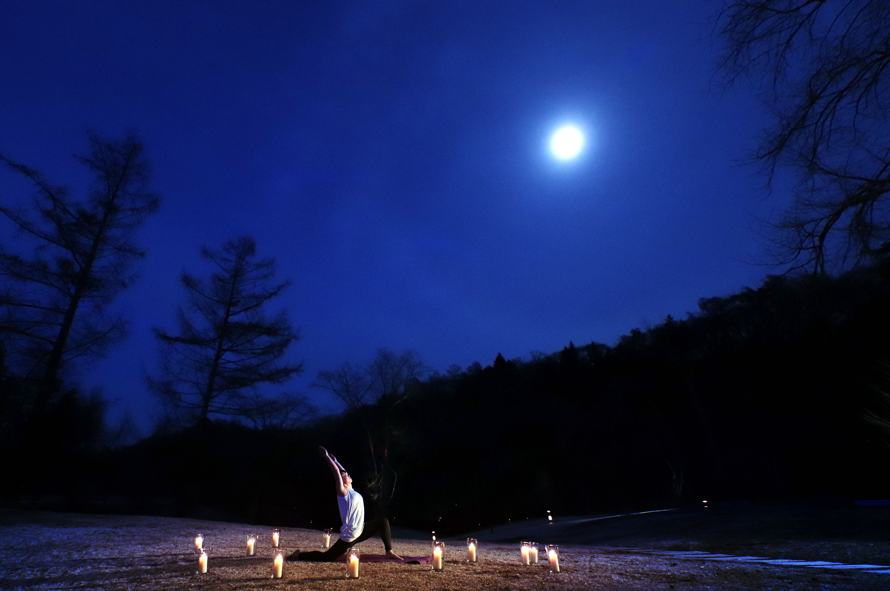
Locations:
770 392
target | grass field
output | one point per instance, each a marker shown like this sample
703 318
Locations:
738 546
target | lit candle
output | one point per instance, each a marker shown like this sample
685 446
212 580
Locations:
278 566
352 566
533 552
524 551
439 557
471 550
202 563
553 556
199 542
251 546
276 537
326 538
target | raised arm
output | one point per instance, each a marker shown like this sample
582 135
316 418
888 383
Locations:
336 468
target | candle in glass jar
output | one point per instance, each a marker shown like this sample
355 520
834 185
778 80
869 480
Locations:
326 538
202 563
278 566
471 550
251 546
439 557
199 542
553 556
533 552
524 552
276 537
352 567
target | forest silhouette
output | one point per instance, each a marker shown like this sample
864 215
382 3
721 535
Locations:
772 392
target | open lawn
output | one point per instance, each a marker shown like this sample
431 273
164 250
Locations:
724 547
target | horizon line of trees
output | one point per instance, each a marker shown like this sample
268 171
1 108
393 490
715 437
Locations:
770 392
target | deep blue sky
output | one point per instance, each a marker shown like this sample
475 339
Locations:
391 156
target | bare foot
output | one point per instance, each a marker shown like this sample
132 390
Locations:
294 556
393 555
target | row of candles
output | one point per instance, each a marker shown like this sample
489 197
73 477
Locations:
277 563
528 554
276 541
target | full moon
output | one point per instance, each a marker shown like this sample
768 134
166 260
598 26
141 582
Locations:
566 143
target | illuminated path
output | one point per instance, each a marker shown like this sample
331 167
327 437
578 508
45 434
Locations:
614 516
698 555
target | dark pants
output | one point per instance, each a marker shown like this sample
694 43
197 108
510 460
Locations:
372 528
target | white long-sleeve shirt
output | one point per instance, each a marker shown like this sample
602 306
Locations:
352 514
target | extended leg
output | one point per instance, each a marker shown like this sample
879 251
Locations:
379 526
330 555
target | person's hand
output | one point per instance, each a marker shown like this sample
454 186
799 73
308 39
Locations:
322 450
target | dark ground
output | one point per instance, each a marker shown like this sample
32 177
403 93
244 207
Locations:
725 547
817 529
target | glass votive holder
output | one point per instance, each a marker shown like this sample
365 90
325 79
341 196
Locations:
251 545
278 564
472 550
326 539
352 563
438 556
276 538
533 553
203 561
524 553
553 557
199 543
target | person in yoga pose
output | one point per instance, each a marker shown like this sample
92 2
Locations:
352 513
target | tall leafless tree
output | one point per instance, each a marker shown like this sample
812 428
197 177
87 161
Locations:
285 410
386 380
226 345
823 67
349 383
53 306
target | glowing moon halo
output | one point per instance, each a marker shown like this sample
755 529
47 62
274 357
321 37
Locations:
566 142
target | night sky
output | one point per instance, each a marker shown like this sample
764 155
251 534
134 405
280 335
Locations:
393 158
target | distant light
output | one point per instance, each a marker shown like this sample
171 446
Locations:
567 142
